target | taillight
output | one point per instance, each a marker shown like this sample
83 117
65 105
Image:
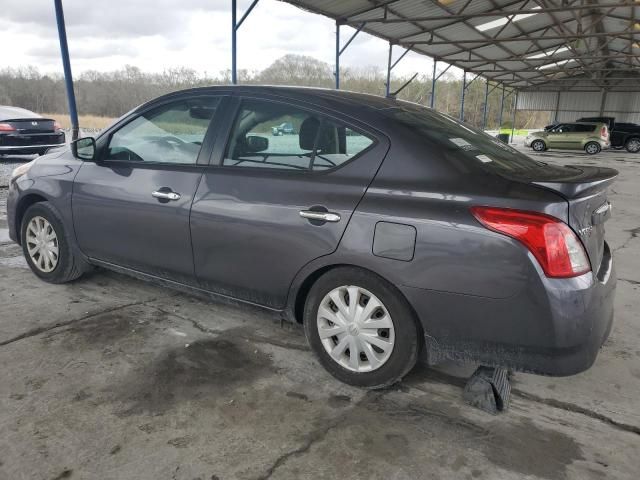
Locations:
7 127
604 132
551 241
57 126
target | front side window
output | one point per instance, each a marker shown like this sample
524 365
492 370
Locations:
274 135
172 133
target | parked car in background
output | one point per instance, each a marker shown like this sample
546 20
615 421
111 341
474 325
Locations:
285 128
590 137
23 132
623 135
386 228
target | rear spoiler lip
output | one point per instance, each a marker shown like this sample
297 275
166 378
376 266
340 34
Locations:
581 185
32 119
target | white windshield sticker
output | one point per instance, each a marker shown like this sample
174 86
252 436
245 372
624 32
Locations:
484 158
462 143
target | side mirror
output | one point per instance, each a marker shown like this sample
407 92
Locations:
84 148
255 144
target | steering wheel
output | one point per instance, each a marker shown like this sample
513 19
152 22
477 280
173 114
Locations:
171 141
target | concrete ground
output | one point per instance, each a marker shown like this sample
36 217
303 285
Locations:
112 378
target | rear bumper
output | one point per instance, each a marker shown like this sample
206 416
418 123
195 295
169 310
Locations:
30 143
555 331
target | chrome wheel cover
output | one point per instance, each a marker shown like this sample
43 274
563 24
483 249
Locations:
355 328
42 244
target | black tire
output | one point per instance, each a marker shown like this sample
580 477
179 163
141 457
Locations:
538 146
632 145
68 266
592 148
408 334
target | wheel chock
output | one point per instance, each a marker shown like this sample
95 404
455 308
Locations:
488 389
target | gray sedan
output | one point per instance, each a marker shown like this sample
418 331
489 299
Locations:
387 229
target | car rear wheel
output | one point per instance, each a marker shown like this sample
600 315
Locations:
633 145
538 146
361 328
592 148
47 246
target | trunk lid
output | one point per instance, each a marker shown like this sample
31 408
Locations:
586 191
32 125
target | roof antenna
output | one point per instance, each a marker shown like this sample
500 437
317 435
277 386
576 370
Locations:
393 95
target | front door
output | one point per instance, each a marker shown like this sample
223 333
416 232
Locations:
279 198
131 207
557 138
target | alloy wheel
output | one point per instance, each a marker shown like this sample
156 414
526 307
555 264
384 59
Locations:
42 244
592 148
633 145
355 328
538 145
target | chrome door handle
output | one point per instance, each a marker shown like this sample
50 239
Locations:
321 216
166 195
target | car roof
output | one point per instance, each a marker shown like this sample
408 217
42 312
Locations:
320 95
9 113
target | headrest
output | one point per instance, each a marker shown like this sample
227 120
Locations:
308 133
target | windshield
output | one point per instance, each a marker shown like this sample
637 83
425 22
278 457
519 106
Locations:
461 142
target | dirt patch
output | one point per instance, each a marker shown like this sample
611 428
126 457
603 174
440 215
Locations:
530 450
204 371
109 329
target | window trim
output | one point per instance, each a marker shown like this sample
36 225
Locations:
208 141
237 108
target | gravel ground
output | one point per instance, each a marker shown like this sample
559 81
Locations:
7 164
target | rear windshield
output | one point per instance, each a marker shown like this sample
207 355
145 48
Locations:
461 142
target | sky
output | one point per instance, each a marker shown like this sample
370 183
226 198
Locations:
105 35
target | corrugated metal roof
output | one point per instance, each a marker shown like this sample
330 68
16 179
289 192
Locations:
497 38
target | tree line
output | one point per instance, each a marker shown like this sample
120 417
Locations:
111 94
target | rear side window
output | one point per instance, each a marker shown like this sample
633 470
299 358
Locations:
274 135
585 128
462 144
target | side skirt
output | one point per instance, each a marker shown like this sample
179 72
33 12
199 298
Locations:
191 290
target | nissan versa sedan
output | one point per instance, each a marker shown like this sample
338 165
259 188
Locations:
590 137
23 132
389 230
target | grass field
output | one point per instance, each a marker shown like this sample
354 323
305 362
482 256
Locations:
515 132
86 121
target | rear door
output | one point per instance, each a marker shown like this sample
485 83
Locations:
274 202
131 208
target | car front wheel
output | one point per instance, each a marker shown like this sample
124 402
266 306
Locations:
592 148
538 146
633 145
361 328
46 245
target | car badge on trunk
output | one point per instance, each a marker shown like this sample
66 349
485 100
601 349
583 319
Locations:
586 231
34 124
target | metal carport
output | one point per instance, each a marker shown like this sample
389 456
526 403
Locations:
543 50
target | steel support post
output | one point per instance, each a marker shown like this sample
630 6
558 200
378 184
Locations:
432 100
66 65
501 109
337 56
486 98
234 30
464 89
388 84
513 118
235 25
